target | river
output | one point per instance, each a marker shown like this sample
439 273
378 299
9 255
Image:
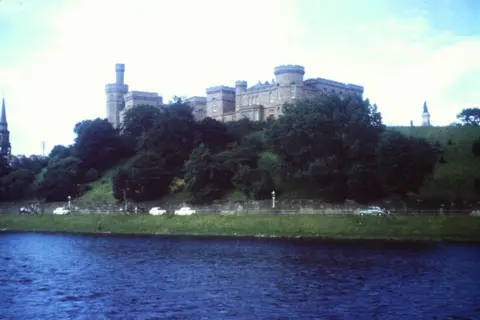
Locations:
46 276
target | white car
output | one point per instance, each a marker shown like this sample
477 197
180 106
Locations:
157 211
61 211
184 211
373 211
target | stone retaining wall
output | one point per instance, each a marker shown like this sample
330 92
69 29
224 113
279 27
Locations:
231 207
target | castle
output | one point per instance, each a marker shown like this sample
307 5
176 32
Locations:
224 103
119 99
264 100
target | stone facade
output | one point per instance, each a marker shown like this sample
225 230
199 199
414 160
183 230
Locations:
119 99
224 103
266 99
199 105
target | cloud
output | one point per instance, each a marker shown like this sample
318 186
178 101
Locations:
404 62
180 47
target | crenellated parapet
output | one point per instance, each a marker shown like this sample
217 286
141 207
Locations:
113 87
262 87
196 99
289 68
334 84
354 87
241 83
217 89
143 95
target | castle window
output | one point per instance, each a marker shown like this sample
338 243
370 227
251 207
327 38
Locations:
270 96
293 91
278 93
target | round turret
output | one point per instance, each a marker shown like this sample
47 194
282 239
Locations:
289 74
120 70
240 86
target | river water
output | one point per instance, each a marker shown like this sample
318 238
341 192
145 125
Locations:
45 276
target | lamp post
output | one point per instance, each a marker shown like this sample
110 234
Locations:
273 199
69 202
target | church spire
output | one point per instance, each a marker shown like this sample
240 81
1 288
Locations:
5 147
425 115
425 107
3 118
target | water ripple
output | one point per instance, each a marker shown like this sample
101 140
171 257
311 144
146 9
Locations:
98 277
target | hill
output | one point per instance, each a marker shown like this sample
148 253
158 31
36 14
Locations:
453 177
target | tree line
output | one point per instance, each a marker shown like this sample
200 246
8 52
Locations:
330 147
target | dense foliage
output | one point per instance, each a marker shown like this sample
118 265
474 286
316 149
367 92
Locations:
333 148
469 117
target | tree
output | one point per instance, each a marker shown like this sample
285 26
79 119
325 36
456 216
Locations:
98 145
91 175
214 134
120 187
60 152
240 128
469 116
206 177
146 179
62 179
138 121
404 162
476 147
254 183
32 163
173 136
326 141
17 185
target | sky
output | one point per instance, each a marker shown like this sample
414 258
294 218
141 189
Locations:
57 55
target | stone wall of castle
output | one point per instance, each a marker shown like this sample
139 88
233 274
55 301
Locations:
224 103
266 99
119 99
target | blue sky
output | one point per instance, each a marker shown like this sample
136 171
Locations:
57 55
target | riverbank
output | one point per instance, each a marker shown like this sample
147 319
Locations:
438 228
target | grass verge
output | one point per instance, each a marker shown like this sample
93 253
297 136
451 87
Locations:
447 228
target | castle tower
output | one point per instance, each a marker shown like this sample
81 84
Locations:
286 75
289 80
5 147
240 86
115 96
220 100
425 115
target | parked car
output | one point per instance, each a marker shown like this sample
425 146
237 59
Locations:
61 211
24 210
373 211
157 211
184 211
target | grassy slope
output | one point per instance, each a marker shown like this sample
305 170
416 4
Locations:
102 188
463 228
455 177
452 179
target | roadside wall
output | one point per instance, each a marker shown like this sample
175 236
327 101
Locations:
246 207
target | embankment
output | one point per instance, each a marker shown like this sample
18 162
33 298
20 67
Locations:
447 228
